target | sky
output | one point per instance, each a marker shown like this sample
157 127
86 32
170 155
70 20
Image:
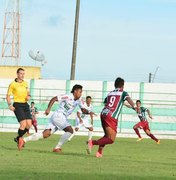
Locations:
127 38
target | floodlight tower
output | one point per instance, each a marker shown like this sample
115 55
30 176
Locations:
11 33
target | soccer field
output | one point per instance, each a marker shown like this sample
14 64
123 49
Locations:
125 159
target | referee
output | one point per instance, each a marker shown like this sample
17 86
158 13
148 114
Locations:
20 92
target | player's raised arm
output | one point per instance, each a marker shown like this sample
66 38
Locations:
52 101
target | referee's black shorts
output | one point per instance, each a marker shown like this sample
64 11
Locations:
22 111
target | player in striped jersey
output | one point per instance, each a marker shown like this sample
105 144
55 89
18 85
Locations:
109 116
143 124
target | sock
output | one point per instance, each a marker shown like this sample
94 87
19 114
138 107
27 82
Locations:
137 132
35 127
102 141
100 149
90 135
63 139
34 137
22 132
153 137
72 136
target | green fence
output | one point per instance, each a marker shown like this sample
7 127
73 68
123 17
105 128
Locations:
163 110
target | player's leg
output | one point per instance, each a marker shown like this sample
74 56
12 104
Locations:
62 123
21 116
76 129
28 117
109 125
63 139
34 137
147 131
109 138
135 127
35 127
21 131
101 147
77 126
88 125
26 114
90 133
34 123
50 129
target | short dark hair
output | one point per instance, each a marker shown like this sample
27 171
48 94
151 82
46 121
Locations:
75 87
138 101
88 97
20 69
32 102
119 82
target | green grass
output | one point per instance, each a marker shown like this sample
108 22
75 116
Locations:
125 159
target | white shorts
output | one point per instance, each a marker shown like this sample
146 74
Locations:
86 123
57 121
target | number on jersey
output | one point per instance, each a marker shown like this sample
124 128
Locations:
112 101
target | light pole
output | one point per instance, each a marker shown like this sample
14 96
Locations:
75 38
151 80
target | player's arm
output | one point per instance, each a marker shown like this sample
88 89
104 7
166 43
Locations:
83 108
91 117
105 100
8 99
52 101
79 117
127 105
149 114
130 102
36 111
28 95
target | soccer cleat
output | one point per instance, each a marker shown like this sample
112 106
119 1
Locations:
140 139
69 140
16 140
57 150
158 142
98 155
90 146
21 143
87 150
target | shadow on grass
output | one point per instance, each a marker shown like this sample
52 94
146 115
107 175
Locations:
46 152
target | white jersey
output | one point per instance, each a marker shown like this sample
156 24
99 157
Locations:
86 116
67 104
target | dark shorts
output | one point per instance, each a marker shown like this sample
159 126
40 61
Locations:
108 121
22 111
143 125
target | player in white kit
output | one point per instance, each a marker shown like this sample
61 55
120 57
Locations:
59 119
85 120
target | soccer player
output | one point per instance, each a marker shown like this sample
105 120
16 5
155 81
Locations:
109 116
34 111
85 120
20 92
143 124
59 119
